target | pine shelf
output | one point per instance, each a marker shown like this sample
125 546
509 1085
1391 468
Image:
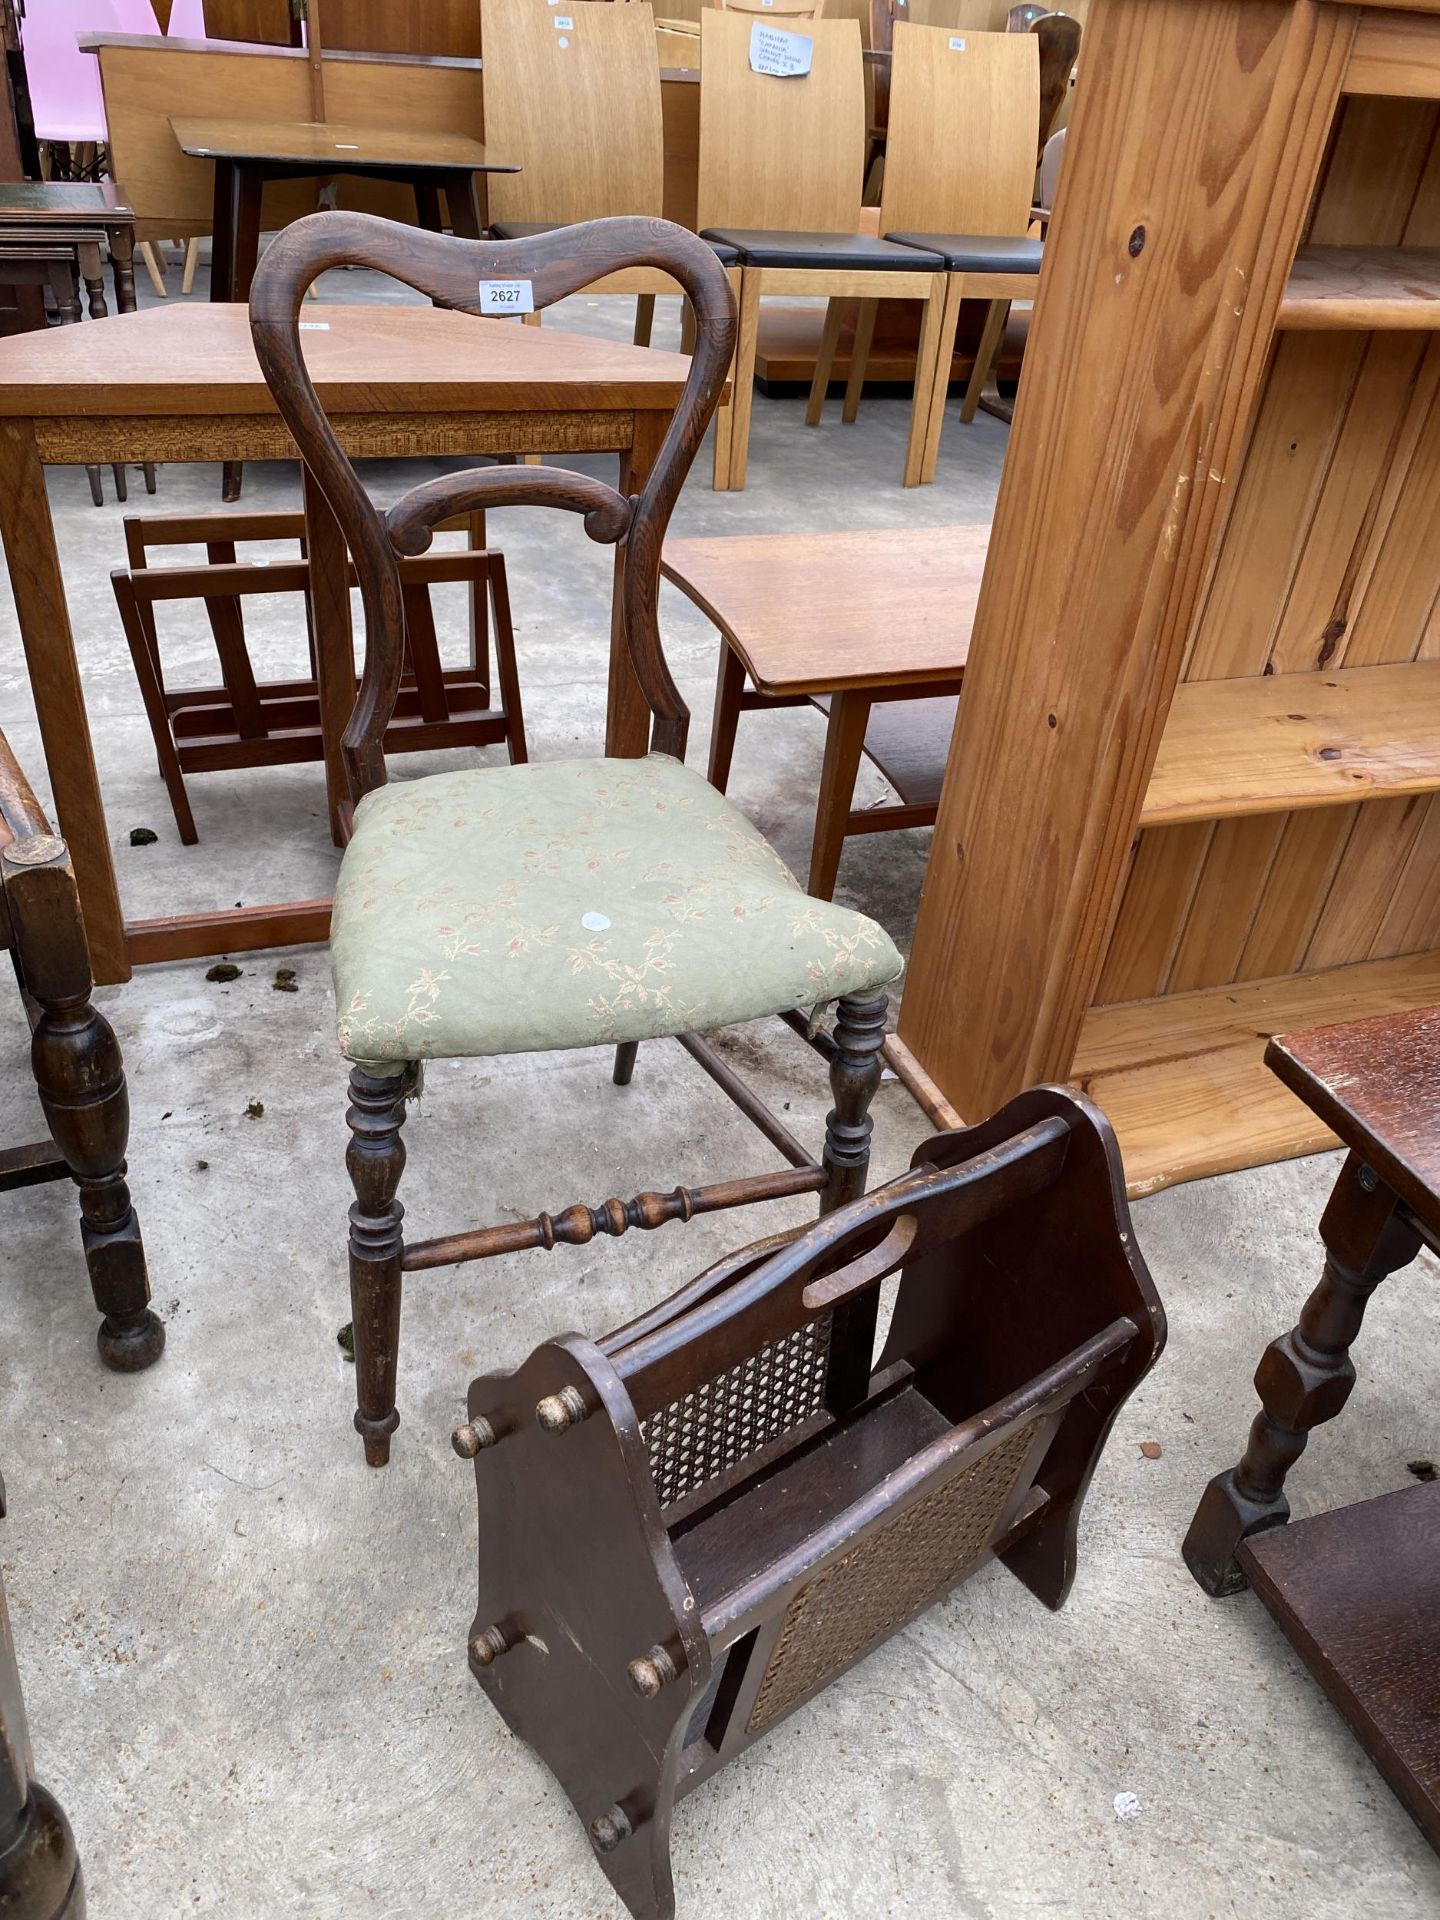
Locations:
1363 289
1183 1078
1276 741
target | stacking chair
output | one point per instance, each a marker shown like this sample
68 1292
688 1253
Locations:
552 102
775 9
781 164
245 722
570 904
966 198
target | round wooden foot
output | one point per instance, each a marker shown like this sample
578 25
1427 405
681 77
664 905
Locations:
130 1348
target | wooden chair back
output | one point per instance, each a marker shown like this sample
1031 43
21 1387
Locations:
977 16
729 1502
960 156
579 109
431 27
448 270
775 9
787 153
272 23
1058 37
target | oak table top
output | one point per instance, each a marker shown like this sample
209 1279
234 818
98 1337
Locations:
200 360
818 612
64 203
183 383
334 145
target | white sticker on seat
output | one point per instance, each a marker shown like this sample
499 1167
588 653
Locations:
507 296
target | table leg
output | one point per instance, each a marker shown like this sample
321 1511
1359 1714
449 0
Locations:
122 267
224 222
627 716
427 205
844 743
334 640
28 534
1304 1378
121 242
462 197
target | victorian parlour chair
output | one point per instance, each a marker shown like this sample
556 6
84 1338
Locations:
468 911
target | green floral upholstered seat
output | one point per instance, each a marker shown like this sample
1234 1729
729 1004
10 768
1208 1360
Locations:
507 909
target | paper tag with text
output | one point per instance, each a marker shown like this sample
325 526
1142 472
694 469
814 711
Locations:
507 296
563 22
956 46
786 55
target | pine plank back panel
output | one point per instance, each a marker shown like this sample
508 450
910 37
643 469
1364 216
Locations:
1197 137
985 93
775 153
1328 560
551 103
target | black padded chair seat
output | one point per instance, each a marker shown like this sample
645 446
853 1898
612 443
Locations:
528 229
760 247
977 252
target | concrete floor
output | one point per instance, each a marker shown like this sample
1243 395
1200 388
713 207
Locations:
244 1653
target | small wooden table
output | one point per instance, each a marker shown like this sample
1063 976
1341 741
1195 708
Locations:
1358 1590
61 210
183 384
247 153
871 627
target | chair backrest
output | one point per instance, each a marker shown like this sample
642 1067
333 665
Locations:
979 16
1050 171
963 110
780 153
448 271
64 83
1058 38
775 9
269 22
579 108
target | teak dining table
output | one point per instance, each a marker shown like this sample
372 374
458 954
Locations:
184 384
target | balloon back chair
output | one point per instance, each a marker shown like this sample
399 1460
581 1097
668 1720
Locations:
567 904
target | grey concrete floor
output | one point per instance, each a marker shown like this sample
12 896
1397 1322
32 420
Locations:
244 1653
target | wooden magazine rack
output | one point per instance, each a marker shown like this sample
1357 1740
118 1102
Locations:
691 1528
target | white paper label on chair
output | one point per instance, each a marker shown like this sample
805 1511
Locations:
594 922
786 55
563 23
956 45
507 296
314 326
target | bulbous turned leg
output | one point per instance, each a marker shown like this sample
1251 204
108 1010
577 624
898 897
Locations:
1304 1378
39 1869
80 1078
375 1159
854 1076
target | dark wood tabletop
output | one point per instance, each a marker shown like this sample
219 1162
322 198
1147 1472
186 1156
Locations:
64 203
1376 1082
333 145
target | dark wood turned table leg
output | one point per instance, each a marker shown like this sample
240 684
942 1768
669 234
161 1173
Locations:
80 1078
1305 1377
122 268
40 1875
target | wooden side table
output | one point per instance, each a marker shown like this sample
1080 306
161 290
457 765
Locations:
871 627
1357 1590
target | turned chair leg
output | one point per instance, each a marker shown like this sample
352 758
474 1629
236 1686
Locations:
375 1160
625 1062
80 1078
1305 1377
854 1076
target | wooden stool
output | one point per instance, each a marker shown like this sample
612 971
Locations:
79 1074
1358 1590
249 723
691 1528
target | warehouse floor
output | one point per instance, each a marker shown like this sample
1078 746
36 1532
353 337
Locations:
244 1653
